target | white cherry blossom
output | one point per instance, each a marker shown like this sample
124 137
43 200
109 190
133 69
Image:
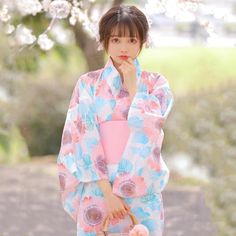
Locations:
59 9
44 42
9 29
29 7
46 4
24 36
4 15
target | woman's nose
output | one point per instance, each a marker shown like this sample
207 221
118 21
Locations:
124 48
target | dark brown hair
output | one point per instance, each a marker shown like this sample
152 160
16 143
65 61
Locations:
123 16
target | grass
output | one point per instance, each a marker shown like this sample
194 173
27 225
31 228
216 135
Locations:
191 68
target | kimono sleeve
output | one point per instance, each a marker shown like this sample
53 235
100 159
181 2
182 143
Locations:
151 109
81 156
81 150
69 191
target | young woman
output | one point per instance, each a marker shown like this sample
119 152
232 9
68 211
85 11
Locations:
110 159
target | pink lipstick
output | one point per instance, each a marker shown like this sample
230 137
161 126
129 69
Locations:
123 57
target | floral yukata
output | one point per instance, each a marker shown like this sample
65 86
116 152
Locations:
140 175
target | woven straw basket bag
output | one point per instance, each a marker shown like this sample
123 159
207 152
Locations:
105 225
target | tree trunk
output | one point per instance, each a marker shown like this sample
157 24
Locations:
93 57
117 2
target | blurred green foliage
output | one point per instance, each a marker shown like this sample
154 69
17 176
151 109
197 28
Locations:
13 148
202 125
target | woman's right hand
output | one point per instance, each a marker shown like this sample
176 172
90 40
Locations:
116 207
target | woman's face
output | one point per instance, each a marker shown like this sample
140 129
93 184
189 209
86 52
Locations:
123 46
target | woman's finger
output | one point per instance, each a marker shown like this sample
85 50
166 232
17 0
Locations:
118 214
125 63
127 206
125 212
111 216
129 60
127 209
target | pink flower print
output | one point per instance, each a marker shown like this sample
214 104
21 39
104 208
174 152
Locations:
74 98
125 113
62 181
67 149
114 221
149 80
127 188
67 143
92 213
66 179
139 104
75 133
123 93
76 201
160 80
78 130
153 106
145 77
150 130
128 185
156 152
154 164
161 96
101 164
144 74
154 160
121 109
104 89
100 161
92 76
66 139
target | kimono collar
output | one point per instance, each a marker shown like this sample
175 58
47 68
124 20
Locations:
113 78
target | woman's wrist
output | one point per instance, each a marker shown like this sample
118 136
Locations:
105 186
132 92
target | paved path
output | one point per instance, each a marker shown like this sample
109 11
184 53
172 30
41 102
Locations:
30 206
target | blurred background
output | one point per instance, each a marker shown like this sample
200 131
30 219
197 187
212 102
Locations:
46 45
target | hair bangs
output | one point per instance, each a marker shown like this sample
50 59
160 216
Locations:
126 27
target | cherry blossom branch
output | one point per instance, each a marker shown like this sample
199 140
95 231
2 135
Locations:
76 12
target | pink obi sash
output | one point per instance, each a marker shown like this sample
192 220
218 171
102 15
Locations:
114 136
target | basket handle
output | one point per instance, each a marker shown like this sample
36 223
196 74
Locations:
107 220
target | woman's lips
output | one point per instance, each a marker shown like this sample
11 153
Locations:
124 57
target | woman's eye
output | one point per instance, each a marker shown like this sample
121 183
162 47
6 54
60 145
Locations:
133 40
115 40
